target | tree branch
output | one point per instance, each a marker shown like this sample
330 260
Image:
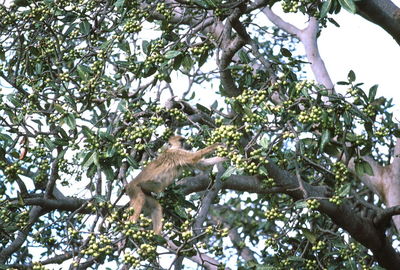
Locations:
308 38
207 201
383 13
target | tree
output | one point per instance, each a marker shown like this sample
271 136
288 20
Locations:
92 90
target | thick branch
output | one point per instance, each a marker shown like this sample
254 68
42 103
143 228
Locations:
383 218
383 13
207 201
280 23
396 156
308 37
68 204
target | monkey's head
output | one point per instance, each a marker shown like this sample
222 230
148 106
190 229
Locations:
178 142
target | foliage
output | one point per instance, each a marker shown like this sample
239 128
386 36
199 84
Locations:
92 89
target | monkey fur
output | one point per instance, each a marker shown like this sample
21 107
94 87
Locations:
161 173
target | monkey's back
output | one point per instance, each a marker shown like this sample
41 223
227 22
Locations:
161 172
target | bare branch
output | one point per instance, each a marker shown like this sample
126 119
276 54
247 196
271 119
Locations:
207 201
280 23
383 13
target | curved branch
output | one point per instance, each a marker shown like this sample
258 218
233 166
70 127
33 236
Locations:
280 23
308 38
383 13
383 218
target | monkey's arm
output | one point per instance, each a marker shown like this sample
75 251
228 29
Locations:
197 156
211 161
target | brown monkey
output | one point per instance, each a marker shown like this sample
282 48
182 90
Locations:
159 174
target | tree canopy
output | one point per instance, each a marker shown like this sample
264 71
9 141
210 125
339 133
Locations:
92 89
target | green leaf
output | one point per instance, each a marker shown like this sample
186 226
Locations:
21 3
109 173
124 45
372 93
5 137
309 235
70 120
145 47
172 54
203 109
325 138
49 144
119 3
177 62
231 170
301 204
214 106
2 54
332 21
203 58
15 101
187 63
21 201
264 142
83 72
342 83
111 151
368 169
87 131
132 162
244 57
348 120
263 171
180 211
212 3
351 76
344 190
331 150
359 168
61 142
90 172
285 52
85 27
38 68
89 159
326 6
295 259
348 5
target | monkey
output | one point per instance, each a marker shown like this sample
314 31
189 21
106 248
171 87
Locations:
161 173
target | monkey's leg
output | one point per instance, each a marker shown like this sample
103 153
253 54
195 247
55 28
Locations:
156 213
137 202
